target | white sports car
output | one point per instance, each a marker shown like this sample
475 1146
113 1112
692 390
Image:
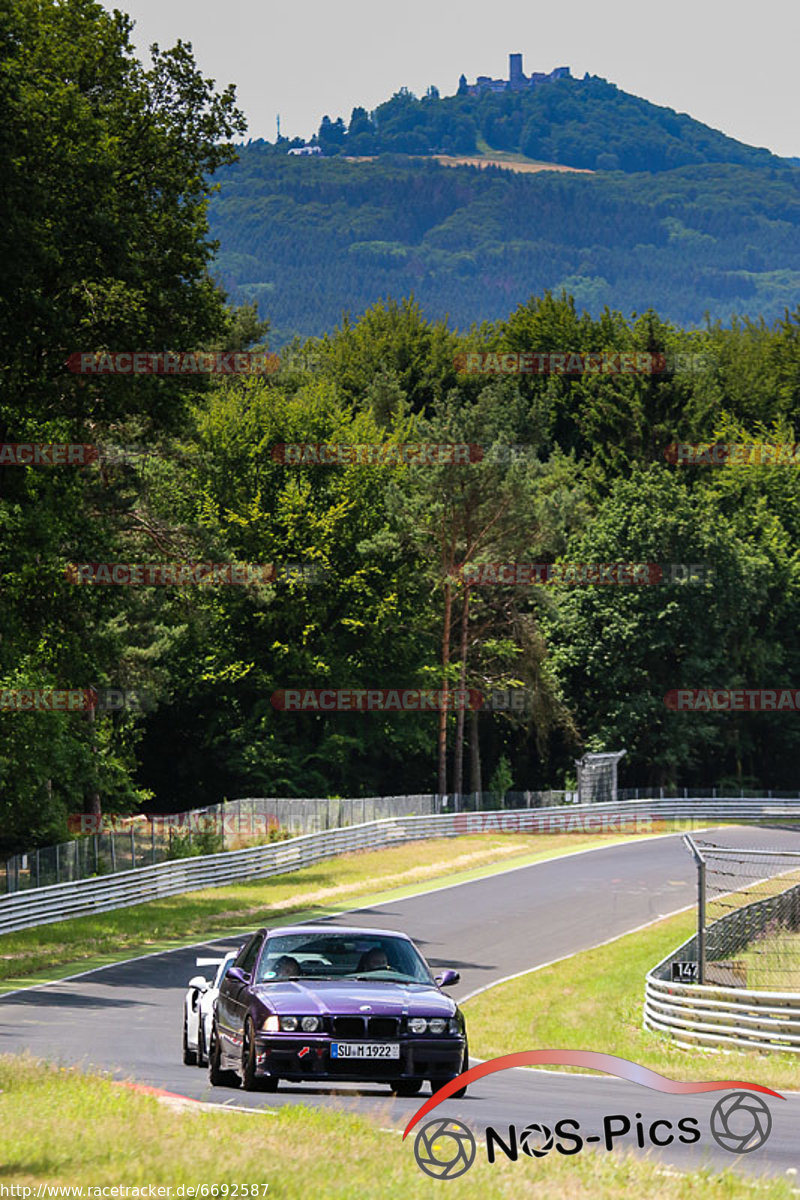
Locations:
198 1010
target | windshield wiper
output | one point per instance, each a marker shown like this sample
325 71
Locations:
370 978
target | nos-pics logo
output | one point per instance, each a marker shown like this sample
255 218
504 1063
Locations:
446 1148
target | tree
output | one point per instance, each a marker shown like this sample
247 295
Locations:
103 238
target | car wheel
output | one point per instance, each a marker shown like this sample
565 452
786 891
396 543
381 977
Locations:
406 1087
252 1082
189 1056
217 1077
437 1083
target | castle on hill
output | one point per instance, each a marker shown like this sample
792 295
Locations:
517 80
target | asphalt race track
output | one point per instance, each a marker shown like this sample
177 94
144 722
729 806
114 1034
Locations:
127 1018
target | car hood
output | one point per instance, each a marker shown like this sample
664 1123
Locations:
335 998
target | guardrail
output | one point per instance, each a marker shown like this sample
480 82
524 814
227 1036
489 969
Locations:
702 1014
138 842
58 902
705 1015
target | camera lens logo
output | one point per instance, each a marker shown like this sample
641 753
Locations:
741 1122
536 1140
444 1149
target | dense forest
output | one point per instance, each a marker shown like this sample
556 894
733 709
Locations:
119 258
311 239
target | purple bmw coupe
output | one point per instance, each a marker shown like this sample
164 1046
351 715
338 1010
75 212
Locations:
330 1003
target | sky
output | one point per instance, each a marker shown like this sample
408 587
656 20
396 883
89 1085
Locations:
729 63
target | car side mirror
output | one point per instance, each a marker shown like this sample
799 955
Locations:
199 982
238 974
447 978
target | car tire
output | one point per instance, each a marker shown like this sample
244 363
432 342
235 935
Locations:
251 1082
189 1056
218 1077
437 1083
406 1087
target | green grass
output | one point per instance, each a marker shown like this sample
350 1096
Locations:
773 962
51 951
594 1000
59 1126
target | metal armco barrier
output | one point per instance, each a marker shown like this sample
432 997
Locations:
695 1014
41 906
704 1015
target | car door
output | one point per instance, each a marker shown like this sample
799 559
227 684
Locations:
236 991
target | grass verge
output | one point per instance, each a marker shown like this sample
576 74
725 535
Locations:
772 962
58 1126
51 951
594 1000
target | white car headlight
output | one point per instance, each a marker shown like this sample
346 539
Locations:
289 1023
437 1024
271 1025
417 1024
452 1026
309 1024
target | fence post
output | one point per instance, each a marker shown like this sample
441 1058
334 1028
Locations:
113 839
58 865
701 922
133 848
153 841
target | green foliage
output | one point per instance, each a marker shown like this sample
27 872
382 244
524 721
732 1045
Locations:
117 256
502 779
587 123
192 845
327 236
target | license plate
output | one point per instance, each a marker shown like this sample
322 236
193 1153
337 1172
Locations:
365 1050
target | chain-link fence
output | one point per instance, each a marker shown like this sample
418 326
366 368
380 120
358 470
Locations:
748 933
123 843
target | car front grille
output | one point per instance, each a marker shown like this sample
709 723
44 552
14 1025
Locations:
366 1027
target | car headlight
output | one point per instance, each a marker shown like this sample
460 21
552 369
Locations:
309 1024
437 1024
271 1025
452 1026
417 1024
289 1023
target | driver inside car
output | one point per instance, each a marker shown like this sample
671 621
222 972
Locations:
374 960
287 967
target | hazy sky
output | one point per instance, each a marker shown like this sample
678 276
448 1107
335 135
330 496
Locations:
729 63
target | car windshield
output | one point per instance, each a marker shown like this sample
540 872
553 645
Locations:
341 956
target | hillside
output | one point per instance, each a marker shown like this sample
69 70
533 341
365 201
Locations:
587 122
311 238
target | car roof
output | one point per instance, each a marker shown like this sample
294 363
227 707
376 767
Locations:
345 930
